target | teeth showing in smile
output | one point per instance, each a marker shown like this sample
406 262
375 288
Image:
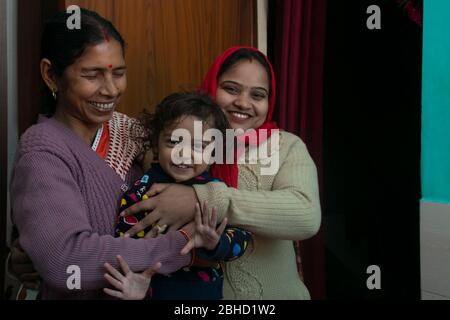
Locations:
102 106
182 166
240 115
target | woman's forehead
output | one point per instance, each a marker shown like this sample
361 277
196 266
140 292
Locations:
103 55
247 72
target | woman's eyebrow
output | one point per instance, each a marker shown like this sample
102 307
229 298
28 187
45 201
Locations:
101 69
231 82
92 69
238 84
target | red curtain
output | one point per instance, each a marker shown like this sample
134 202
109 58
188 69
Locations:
298 54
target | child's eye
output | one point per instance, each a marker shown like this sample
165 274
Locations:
173 141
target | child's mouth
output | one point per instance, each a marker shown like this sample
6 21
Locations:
182 166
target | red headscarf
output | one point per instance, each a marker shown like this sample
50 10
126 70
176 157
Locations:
229 172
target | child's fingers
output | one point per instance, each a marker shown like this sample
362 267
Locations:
213 220
114 282
222 226
150 271
198 218
205 213
123 265
188 247
114 272
113 293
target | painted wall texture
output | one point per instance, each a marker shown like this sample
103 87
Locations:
436 102
435 206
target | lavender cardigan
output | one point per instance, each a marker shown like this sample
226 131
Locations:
64 201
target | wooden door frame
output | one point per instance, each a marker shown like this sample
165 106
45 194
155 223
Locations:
30 22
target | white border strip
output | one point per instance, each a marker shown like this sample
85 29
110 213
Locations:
262 10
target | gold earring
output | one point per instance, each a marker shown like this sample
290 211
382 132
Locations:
54 93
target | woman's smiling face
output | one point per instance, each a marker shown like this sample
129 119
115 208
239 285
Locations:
92 86
243 94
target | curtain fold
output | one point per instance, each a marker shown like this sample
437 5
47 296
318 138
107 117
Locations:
298 53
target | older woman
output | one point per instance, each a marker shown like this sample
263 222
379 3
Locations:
70 169
277 207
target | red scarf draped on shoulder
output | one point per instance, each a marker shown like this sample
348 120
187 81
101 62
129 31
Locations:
229 172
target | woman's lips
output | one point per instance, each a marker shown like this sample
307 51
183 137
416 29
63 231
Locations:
104 107
239 116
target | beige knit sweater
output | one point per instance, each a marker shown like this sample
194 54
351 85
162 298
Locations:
277 208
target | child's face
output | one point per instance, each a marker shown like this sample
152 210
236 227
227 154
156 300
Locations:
166 144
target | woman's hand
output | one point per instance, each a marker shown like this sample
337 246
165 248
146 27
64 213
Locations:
21 266
206 235
173 205
129 285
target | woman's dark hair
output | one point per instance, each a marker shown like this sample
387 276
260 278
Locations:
178 105
249 55
63 46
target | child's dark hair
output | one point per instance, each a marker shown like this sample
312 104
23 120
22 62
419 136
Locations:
249 55
182 104
63 46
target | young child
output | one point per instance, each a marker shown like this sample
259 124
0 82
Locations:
179 111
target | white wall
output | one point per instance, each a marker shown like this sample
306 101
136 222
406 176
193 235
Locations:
11 56
262 8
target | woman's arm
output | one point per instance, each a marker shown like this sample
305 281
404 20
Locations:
56 232
291 210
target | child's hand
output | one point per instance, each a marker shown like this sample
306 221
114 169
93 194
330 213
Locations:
131 286
206 235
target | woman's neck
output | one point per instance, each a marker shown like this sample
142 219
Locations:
86 131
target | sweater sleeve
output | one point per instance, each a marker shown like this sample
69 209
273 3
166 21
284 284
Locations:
290 210
56 232
232 244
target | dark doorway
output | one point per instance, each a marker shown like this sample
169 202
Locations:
372 117
30 27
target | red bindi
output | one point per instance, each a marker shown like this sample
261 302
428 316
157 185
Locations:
110 66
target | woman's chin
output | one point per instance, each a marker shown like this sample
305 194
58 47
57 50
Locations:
101 116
